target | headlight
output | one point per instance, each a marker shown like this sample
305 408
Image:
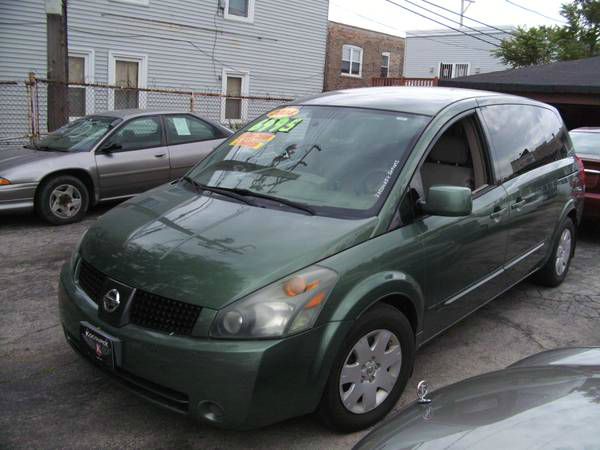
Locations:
4 182
285 307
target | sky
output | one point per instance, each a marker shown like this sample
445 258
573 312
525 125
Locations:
383 16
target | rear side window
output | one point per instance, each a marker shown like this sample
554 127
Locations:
185 128
523 138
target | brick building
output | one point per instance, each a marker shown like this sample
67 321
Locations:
355 55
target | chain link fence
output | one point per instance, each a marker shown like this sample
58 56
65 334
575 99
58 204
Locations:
23 105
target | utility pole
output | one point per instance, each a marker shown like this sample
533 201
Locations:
57 63
464 5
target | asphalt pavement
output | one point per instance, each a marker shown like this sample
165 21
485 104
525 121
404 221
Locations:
51 398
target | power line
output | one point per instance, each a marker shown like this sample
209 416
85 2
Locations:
469 18
533 11
442 24
450 44
454 21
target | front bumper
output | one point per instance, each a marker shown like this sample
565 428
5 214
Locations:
17 197
232 384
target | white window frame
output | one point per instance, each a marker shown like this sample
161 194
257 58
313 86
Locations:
439 71
389 62
245 76
247 19
360 67
89 57
142 60
133 2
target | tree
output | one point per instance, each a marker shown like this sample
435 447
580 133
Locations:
578 38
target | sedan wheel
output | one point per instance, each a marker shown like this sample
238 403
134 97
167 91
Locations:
370 371
65 201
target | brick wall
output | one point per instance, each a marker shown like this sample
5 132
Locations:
373 45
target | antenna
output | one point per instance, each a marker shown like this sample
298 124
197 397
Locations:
464 5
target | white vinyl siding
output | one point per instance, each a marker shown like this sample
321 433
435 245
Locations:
425 50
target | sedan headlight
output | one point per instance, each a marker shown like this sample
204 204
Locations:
285 307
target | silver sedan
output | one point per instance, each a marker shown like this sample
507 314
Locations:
100 157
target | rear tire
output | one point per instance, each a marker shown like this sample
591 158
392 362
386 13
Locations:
360 393
555 270
62 199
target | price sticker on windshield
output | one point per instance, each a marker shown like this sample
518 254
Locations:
288 111
254 141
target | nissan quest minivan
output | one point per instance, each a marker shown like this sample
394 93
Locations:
299 266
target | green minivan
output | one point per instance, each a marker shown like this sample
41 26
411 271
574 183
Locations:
299 266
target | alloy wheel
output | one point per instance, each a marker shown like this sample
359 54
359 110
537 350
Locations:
65 201
370 371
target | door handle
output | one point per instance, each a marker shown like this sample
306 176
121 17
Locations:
519 203
497 213
160 155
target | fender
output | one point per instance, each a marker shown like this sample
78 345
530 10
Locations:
377 287
568 208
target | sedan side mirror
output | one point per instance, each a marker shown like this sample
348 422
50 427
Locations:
111 147
451 201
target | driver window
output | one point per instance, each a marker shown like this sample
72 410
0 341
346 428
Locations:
144 132
456 159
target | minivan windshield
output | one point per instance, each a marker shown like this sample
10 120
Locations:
80 135
337 161
586 143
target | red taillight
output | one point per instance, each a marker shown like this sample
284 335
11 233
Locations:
581 168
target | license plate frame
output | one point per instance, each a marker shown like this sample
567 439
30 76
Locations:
98 345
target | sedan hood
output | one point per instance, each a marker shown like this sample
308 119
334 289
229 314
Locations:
206 250
18 156
526 406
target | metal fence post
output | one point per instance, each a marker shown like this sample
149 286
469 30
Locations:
192 106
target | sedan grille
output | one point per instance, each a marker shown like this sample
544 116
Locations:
163 314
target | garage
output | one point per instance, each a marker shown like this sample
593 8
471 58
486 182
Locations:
573 87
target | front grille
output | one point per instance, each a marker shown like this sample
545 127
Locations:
163 314
91 281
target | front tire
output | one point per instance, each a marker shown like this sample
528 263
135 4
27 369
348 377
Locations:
62 199
555 270
370 372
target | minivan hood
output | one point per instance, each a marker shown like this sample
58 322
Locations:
206 250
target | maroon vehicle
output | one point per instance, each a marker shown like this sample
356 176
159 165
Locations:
587 147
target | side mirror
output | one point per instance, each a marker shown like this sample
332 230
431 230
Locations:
451 201
110 147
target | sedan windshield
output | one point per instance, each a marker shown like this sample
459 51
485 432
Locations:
79 135
586 143
334 160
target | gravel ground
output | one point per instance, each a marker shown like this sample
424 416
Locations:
50 398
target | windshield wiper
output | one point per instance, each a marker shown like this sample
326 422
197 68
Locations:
241 194
217 190
283 201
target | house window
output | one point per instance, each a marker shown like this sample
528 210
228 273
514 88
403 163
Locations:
385 64
127 77
242 10
234 108
453 70
128 72
81 101
352 61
